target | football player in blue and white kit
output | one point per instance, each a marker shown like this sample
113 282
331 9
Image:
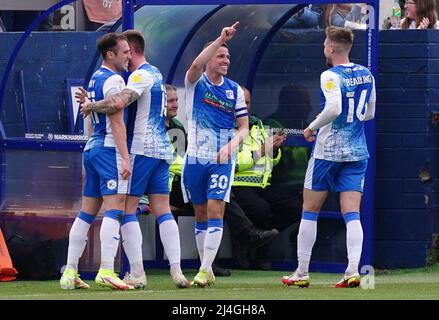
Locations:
213 104
150 153
339 156
107 166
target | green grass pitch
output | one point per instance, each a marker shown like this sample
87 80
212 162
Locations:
242 285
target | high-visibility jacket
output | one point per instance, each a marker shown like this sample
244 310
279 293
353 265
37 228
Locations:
251 173
176 166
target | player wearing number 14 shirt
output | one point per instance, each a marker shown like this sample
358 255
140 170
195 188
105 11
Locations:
339 158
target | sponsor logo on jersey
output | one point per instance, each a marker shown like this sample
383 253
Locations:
212 100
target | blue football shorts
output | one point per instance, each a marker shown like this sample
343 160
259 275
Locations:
150 176
202 180
102 166
324 175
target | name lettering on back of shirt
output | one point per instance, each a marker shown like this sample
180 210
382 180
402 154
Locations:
355 81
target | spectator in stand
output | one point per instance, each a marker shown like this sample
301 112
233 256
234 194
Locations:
314 16
420 14
308 17
345 15
102 12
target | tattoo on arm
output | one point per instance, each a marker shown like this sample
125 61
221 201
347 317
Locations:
114 103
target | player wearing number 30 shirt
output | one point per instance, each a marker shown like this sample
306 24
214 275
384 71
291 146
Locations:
214 104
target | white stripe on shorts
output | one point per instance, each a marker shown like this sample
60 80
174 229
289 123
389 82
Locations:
122 185
186 195
309 174
231 179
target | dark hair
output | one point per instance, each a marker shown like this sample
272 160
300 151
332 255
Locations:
109 42
136 40
342 36
170 87
225 45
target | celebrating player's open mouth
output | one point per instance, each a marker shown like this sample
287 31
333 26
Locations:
224 68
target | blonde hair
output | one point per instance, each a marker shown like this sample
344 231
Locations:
342 36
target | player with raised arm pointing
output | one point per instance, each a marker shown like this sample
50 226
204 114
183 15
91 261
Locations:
214 104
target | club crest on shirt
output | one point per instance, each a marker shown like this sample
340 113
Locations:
111 184
229 94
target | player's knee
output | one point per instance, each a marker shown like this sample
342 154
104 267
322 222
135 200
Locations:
349 205
311 207
347 209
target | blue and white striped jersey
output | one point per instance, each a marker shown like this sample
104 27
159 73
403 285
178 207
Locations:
347 100
212 111
146 129
103 83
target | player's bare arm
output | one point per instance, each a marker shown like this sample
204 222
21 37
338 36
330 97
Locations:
226 151
111 104
196 69
120 139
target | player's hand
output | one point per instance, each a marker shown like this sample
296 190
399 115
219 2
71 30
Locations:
309 135
224 154
80 95
126 168
82 99
229 32
85 111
